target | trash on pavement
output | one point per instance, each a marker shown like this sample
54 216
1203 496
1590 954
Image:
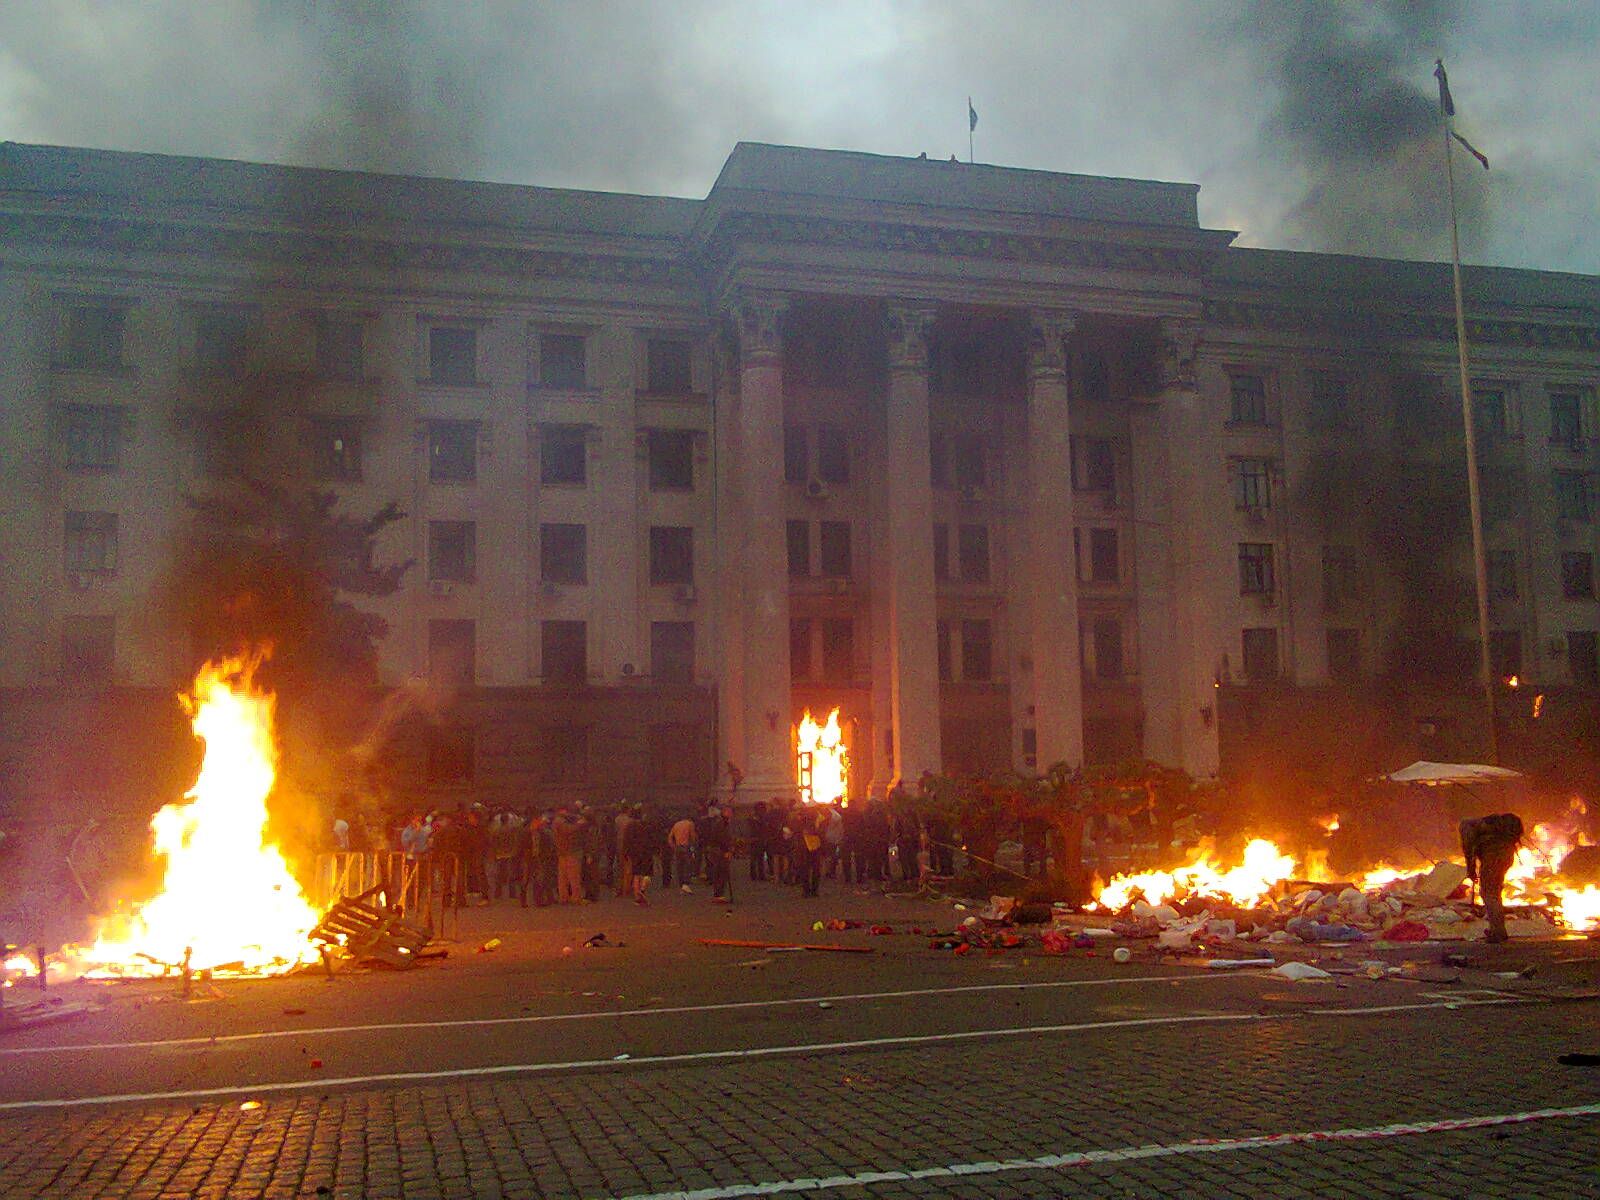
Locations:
1299 972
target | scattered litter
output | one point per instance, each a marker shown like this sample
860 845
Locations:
1406 931
294 1012
493 944
824 1004
752 945
250 1106
621 1057
1121 954
594 940
753 962
315 1064
1300 972
1235 964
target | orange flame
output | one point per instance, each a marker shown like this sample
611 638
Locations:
227 896
822 759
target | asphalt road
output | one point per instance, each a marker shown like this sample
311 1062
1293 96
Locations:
661 1066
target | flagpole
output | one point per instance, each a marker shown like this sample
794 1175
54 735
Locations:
1474 502
972 126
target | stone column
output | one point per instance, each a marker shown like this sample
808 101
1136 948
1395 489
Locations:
1049 579
1182 679
757 551
1153 547
729 542
913 643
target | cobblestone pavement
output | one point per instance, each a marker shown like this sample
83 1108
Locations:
633 1130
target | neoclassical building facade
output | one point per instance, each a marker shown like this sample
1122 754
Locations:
1012 467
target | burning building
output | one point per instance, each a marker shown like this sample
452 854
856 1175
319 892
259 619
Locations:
1008 467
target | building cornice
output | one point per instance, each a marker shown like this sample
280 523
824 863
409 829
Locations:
1391 324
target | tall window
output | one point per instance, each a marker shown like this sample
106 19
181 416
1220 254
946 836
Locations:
564 554
799 648
671 460
452 653
797 534
1505 652
1108 648
1572 495
796 460
672 651
335 449
563 455
1566 419
1344 654
968 461
1260 655
1340 577
563 361
972 553
452 355
92 436
1254 484
91 543
452 551
564 651
1255 569
92 337
452 451
1577 575
977 651
1489 418
1104 563
833 455
341 349
941 552
833 545
1098 471
1096 377
838 649
88 649
946 666
667 367
1502 572
1247 396
221 340
1330 400
1581 658
671 554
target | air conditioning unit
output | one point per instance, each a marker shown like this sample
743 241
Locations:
816 489
440 587
685 594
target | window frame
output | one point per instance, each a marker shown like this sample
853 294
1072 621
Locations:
671 564
1238 415
1257 569
438 330
84 530
555 439
560 541
468 448
662 478
464 568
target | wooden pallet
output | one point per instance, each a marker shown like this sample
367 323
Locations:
370 932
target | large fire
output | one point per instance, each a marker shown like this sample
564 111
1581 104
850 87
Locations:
1532 880
822 759
227 897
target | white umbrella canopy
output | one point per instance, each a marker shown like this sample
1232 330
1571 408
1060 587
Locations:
1433 773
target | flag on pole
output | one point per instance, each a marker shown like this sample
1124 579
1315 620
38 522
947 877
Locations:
1447 106
972 116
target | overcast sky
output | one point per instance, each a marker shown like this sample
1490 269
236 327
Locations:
1308 125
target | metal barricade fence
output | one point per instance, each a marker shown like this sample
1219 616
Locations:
427 889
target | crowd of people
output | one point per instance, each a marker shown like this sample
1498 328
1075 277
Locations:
574 854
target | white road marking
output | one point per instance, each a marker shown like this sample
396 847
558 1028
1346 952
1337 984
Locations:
1082 1158
677 1010
322 1084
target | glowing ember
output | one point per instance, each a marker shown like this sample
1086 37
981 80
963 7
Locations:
1580 909
1329 824
227 897
1246 885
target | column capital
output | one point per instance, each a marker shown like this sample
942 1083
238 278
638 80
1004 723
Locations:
907 324
1175 364
757 316
1048 330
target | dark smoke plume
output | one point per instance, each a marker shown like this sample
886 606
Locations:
1358 119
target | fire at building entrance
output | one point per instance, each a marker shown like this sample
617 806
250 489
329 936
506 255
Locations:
822 760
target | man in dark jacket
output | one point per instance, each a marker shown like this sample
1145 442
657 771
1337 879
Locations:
1490 845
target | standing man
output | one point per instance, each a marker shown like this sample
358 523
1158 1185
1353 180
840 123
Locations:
1490 845
680 841
717 842
565 832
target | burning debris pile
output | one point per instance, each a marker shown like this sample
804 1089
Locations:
227 902
1272 897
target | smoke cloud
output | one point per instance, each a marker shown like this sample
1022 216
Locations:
1309 126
